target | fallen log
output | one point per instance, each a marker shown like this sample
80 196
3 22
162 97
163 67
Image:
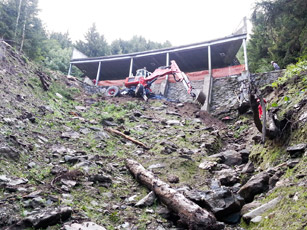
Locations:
191 215
126 136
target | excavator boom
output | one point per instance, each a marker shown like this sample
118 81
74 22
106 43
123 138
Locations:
143 83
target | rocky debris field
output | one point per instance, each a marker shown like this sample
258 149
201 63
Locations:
64 154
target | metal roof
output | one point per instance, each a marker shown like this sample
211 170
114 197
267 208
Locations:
190 58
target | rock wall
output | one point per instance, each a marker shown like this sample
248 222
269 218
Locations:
92 89
226 90
176 91
224 93
156 88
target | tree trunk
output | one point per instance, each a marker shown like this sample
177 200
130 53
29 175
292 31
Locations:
262 104
271 134
24 27
23 35
17 19
191 215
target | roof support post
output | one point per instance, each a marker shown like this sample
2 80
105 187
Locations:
208 82
98 73
245 54
209 61
164 84
210 75
167 63
131 67
167 59
69 70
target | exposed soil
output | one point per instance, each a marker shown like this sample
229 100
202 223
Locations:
186 110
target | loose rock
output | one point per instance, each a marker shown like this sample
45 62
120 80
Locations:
297 150
228 177
43 218
260 210
229 157
221 201
148 200
70 135
173 179
7 152
257 184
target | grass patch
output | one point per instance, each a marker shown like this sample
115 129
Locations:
290 213
268 155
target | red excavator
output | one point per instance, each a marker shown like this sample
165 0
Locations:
139 85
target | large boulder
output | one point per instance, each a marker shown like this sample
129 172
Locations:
43 218
244 154
6 181
228 177
259 183
8 215
102 180
297 150
7 152
228 157
224 204
248 168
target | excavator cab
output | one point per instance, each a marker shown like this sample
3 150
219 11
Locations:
142 73
134 80
143 80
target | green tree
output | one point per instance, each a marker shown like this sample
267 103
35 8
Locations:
62 38
20 25
7 20
55 56
135 44
120 46
95 44
279 33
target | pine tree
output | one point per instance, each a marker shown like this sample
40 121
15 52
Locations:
95 44
279 33
21 27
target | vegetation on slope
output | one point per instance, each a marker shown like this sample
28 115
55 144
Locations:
289 95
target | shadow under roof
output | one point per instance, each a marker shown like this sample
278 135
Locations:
190 58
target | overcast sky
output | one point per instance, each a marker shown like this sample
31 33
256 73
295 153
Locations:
179 21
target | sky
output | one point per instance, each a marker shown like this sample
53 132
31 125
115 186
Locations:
179 21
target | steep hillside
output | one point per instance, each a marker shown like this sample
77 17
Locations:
62 165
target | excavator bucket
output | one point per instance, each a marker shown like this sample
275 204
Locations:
201 97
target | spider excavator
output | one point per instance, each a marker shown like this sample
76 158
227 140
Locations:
139 85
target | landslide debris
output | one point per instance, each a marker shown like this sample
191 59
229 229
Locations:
62 168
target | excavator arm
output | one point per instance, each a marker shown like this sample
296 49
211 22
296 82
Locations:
143 83
174 70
